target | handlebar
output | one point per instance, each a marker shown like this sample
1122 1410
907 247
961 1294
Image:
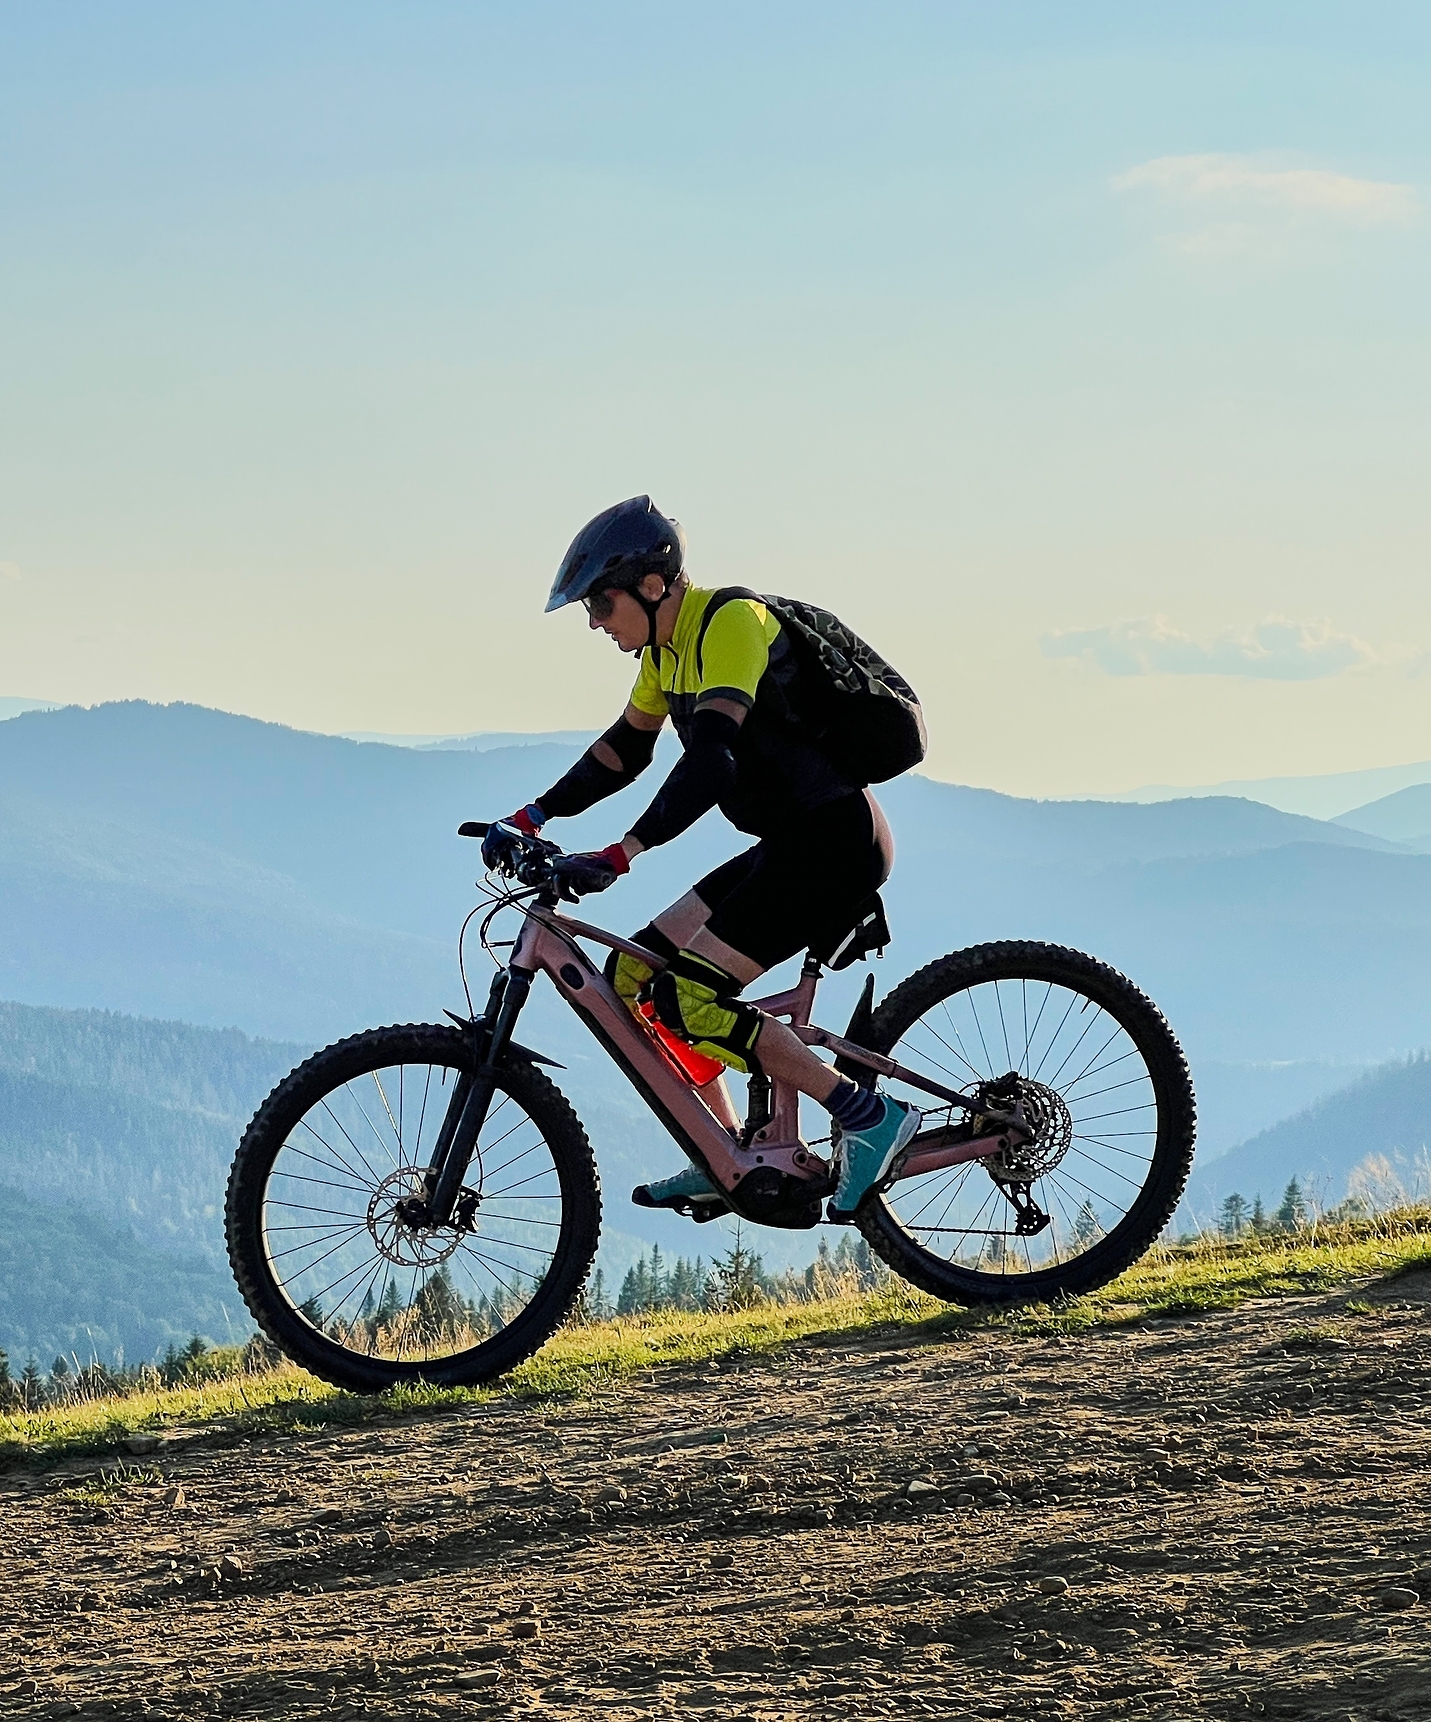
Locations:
539 862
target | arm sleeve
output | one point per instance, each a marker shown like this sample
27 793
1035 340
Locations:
697 781
735 652
589 781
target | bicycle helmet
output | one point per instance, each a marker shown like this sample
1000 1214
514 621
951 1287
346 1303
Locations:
619 548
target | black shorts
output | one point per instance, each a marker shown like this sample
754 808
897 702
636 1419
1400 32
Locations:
806 888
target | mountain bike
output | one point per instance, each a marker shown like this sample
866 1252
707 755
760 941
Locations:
421 1203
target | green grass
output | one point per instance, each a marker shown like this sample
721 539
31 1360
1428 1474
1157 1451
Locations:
1183 1280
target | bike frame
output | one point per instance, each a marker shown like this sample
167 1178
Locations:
548 945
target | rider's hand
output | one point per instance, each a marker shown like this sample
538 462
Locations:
593 870
500 848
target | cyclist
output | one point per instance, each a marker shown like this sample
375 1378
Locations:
732 690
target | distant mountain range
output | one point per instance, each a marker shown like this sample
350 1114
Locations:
116 1136
1403 818
1324 796
478 741
179 863
1371 1137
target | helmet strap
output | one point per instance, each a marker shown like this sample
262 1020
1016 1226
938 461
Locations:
652 606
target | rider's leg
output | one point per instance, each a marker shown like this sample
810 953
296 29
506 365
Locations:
783 1056
796 888
697 997
664 936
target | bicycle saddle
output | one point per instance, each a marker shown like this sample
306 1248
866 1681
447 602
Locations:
847 945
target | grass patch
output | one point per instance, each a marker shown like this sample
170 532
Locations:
1171 1280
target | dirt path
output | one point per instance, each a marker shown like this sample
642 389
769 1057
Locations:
1214 1517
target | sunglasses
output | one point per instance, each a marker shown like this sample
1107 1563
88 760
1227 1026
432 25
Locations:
599 605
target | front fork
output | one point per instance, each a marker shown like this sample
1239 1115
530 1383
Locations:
472 1097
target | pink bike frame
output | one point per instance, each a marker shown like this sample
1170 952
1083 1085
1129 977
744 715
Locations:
548 943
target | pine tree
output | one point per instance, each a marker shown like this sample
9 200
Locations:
634 1290
1292 1215
441 1308
390 1306
597 1301
1258 1220
31 1385
1234 1215
1086 1227
737 1279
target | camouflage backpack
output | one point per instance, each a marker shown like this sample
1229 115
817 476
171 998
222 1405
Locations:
857 709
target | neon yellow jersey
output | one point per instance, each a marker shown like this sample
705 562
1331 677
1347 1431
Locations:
732 658
743 656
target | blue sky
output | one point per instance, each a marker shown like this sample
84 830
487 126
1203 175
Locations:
1079 356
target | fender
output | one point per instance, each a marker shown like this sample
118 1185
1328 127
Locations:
512 1045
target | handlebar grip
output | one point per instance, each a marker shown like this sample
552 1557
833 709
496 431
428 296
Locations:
473 828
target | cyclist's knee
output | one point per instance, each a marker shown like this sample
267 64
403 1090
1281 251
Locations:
696 1000
628 975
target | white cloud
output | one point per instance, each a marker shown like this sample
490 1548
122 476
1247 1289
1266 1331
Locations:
1225 183
1275 650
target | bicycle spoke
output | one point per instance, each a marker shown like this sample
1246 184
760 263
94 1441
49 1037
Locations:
1077 1053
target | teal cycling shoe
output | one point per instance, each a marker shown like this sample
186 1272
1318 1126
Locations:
866 1157
689 1192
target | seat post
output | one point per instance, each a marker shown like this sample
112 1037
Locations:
803 995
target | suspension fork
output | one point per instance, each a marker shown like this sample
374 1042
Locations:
472 1093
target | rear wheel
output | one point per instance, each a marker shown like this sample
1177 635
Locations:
330 1266
1097 1070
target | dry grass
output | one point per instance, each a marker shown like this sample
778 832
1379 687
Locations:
1171 1280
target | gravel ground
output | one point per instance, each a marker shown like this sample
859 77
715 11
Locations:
1211 1517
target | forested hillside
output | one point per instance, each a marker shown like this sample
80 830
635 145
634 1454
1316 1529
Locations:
1371 1139
116 1136
75 1283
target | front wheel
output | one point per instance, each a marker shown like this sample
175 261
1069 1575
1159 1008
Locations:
1103 1080
328 1262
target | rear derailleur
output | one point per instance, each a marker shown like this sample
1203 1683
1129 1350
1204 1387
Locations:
1029 1218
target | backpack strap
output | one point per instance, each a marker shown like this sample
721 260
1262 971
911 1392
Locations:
718 599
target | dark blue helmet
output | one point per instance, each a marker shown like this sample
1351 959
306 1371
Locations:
619 548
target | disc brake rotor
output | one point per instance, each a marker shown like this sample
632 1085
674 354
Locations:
397 1239
1050 1122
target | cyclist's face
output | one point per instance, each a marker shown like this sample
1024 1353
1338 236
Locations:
618 615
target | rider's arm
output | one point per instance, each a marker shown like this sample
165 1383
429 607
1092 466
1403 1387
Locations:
611 762
734 656
703 773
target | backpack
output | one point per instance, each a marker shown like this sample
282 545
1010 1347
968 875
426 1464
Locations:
857 709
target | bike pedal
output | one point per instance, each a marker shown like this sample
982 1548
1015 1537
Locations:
703 1212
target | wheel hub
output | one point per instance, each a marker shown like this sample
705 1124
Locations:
399 1226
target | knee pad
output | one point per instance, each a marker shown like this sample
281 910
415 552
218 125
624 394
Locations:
696 1000
628 975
